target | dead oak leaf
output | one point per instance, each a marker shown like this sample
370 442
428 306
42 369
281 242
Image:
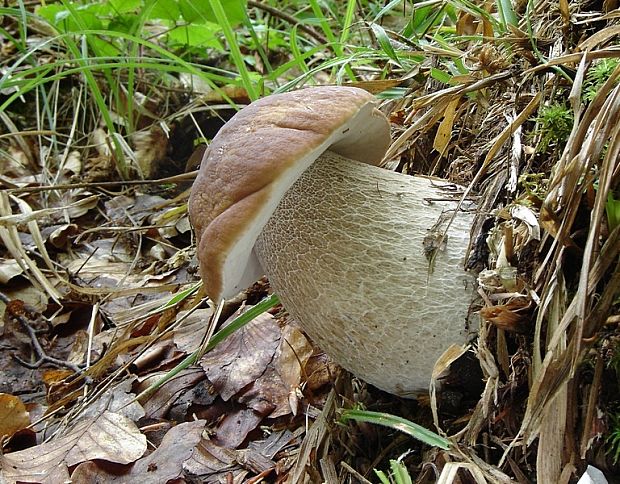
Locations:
164 464
109 436
242 357
235 427
13 415
276 387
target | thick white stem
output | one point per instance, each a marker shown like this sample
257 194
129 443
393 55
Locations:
345 250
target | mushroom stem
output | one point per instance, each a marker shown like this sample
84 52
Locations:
345 251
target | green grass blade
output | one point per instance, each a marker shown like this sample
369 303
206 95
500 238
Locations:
235 53
348 21
329 34
397 423
297 55
384 42
507 14
217 338
400 473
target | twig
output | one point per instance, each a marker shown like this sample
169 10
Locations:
288 18
70 186
42 356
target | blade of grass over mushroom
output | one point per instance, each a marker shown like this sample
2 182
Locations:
397 423
217 338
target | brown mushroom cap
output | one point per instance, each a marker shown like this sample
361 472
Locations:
257 156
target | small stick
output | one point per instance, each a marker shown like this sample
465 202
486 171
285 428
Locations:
70 186
36 346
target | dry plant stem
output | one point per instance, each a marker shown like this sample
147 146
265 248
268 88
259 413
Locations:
288 18
354 473
99 185
42 357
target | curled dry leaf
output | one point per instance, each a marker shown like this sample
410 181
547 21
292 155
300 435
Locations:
513 316
13 415
9 268
60 235
109 436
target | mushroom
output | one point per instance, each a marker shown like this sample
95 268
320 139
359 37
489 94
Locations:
290 188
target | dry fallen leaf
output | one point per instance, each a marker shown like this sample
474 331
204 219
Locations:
164 464
118 399
242 357
13 415
9 268
276 389
110 437
188 336
165 397
210 460
235 427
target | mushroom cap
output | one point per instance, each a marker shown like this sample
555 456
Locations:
257 156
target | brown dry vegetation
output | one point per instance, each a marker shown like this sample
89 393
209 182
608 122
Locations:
90 266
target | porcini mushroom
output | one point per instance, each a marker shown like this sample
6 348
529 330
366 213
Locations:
289 188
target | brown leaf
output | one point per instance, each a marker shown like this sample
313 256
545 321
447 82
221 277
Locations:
9 268
512 316
276 389
210 459
160 403
109 437
188 336
13 415
236 426
166 462
118 399
242 357
444 132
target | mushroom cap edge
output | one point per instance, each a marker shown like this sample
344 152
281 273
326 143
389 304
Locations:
257 156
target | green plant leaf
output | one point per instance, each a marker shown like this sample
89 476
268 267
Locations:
440 75
397 423
165 10
384 42
193 11
400 472
612 208
196 35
